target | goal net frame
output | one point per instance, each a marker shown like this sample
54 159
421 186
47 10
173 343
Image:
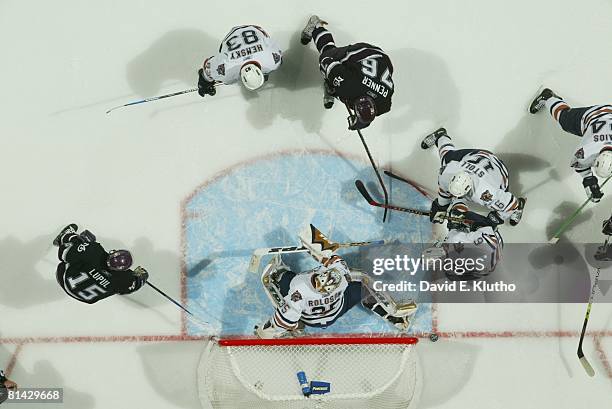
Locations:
401 346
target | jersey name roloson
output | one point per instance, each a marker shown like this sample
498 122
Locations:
324 301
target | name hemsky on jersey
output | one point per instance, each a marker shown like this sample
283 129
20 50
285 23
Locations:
245 51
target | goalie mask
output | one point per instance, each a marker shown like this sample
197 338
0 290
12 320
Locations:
327 281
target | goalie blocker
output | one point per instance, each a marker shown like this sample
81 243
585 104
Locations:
317 298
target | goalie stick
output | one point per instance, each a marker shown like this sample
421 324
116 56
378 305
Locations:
259 253
583 360
366 195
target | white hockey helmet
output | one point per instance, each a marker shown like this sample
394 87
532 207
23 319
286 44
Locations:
461 184
603 164
327 281
251 75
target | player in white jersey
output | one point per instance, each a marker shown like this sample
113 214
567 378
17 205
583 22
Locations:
470 236
593 125
247 53
475 175
317 298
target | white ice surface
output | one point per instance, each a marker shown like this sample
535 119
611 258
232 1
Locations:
471 66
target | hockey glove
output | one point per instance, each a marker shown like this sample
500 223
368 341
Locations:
457 218
205 87
517 215
494 217
591 187
140 276
437 213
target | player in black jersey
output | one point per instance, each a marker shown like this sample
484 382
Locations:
358 74
5 386
89 273
607 227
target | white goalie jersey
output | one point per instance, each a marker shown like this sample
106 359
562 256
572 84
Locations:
304 303
241 45
596 126
490 178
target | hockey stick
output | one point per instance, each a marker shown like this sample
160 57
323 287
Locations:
555 238
259 253
142 101
366 195
382 184
585 363
394 176
173 301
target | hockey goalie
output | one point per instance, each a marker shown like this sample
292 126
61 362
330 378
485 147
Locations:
318 297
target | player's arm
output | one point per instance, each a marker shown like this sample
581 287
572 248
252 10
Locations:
130 281
507 206
286 317
591 185
207 77
439 207
82 250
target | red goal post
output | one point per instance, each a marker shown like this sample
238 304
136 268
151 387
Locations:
363 371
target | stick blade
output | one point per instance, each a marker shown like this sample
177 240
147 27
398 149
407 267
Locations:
554 240
364 192
587 366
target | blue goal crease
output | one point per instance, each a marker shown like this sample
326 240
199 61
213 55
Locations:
266 203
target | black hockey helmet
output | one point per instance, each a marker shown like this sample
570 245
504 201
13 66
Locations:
365 109
119 260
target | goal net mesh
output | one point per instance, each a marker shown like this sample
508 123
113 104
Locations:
380 374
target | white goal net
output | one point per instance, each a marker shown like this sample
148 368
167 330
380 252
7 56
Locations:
372 373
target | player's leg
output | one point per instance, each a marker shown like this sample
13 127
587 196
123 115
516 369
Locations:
65 235
570 119
386 307
441 140
313 23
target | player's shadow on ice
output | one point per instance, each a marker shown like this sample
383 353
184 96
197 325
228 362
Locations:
587 226
293 92
44 375
169 369
520 163
175 56
424 91
447 367
28 272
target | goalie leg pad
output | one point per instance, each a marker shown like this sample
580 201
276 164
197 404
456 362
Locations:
386 307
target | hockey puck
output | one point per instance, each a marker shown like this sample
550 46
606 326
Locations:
433 337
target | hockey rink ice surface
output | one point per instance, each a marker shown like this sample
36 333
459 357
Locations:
191 186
